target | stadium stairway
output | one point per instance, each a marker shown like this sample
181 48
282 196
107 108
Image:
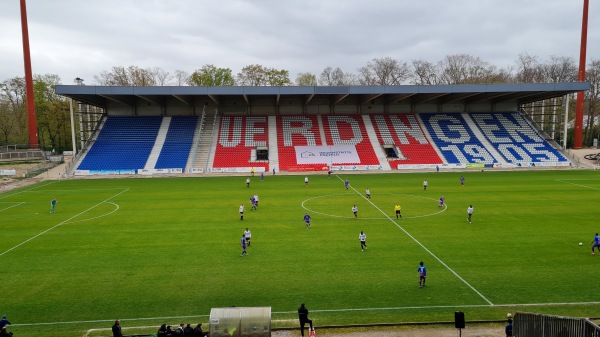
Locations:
483 139
273 149
385 164
158 143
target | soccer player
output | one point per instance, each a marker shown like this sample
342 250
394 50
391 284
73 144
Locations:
242 212
368 193
596 243
307 219
425 185
243 244
422 274
248 182
441 201
262 176
253 201
53 205
355 211
248 236
469 213
362 237
306 181
252 171
346 183
256 199
329 173
462 181
397 208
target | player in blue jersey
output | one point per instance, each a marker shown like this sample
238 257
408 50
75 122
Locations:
346 183
53 205
253 201
596 243
462 181
243 244
422 274
442 200
307 219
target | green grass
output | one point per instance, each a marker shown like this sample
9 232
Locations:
153 251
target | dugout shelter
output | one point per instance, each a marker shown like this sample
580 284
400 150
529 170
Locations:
240 322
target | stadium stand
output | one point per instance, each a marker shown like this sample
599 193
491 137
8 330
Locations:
238 136
404 133
296 131
515 139
177 146
455 139
350 130
124 143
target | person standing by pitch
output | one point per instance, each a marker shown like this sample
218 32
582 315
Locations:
303 317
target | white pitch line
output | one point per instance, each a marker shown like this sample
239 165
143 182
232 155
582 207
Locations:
584 186
27 190
17 204
99 216
62 223
316 310
422 246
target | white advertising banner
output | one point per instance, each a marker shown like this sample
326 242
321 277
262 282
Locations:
326 154
8 172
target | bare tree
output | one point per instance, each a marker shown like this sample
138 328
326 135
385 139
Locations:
528 69
559 69
161 76
593 101
131 76
466 69
13 111
383 71
181 77
336 77
252 75
425 73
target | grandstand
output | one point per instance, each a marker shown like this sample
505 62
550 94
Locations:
160 130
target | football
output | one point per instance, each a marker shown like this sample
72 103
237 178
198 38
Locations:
581 243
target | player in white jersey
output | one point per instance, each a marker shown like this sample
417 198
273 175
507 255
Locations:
355 211
248 236
363 240
469 213
242 212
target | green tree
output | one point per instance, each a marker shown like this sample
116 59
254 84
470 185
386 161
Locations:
52 114
13 111
306 79
211 76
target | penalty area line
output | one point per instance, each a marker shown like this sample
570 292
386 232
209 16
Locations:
63 222
422 245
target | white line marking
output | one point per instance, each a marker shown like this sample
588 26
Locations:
385 218
584 186
17 204
99 216
323 310
422 246
62 223
27 190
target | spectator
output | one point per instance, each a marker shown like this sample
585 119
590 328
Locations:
170 332
508 329
303 317
179 331
4 332
4 322
162 331
198 331
188 331
116 329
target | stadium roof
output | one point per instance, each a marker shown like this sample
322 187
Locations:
516 93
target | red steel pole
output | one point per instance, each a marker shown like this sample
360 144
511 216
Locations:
32 120
578 132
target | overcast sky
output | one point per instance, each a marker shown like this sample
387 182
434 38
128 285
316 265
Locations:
82 38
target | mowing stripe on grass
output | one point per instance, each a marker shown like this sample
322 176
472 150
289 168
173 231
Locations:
62 223
420 244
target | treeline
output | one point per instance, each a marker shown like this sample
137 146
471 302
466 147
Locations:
53 110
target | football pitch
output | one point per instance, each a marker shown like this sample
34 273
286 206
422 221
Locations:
167 250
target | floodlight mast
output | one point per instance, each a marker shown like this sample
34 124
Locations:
578 131
31 120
